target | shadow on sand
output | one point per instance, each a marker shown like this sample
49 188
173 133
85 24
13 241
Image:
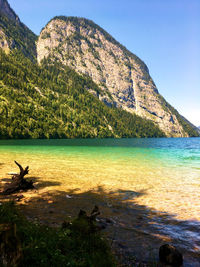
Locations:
134 231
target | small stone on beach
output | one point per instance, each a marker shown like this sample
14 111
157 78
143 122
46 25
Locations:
67 196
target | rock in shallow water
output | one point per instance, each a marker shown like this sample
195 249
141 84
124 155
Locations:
170 256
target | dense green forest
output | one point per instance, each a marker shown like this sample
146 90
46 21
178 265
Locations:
52 101
19 36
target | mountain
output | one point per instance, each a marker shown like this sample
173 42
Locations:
88 49
73 91
51 100
14 34
48 101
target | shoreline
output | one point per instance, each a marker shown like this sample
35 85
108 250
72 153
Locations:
125 224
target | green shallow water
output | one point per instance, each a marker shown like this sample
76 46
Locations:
162 175
166 171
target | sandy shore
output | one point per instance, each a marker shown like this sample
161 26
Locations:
129 227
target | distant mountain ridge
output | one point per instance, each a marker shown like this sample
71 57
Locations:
86 84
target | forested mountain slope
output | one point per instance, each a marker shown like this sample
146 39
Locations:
63 98
50 101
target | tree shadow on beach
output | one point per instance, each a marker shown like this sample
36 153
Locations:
134 231
37 181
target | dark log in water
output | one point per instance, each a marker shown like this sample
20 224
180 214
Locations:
18 182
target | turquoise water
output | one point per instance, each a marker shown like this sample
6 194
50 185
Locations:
164 174
164 167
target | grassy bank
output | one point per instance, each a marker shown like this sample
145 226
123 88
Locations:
29 244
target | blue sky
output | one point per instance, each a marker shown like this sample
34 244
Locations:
165 34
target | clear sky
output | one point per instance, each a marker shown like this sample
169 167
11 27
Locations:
165 34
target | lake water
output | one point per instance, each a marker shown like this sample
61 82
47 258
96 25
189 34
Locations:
162 175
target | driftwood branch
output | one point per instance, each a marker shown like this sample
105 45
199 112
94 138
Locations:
22 173
95 212
85 224
18 181
20 167
93 215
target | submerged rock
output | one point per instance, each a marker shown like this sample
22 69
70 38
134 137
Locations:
170 256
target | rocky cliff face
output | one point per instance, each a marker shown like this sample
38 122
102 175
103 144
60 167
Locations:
13 33
122 76
3 41
5 10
